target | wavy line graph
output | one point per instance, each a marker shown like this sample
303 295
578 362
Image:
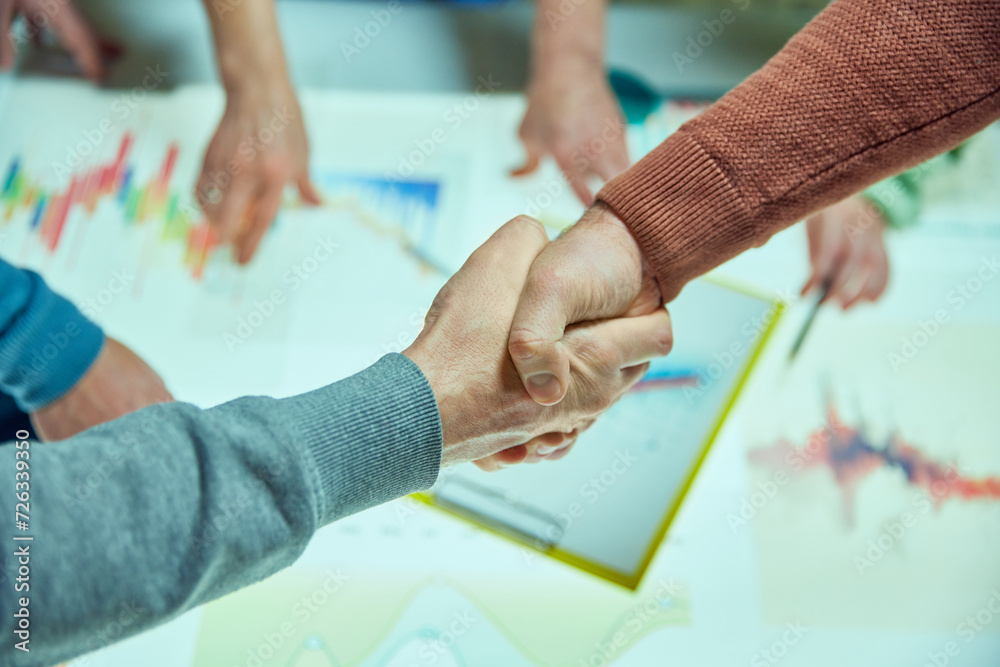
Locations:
439 621
851 457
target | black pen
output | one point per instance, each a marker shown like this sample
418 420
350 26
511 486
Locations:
809 321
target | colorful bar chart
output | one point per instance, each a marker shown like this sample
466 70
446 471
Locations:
403 210
149 202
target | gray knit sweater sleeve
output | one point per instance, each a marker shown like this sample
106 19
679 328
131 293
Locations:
173 506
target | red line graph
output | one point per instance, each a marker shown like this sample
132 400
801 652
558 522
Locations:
851 458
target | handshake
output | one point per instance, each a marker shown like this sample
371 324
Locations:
531 341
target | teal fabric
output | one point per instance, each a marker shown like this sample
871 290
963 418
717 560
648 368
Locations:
46 344
898 198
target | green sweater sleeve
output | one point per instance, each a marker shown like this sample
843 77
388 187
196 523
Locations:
173 506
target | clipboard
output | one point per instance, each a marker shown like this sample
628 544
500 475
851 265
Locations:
606 507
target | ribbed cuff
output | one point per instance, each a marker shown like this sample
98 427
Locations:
47 345
684 212
372 437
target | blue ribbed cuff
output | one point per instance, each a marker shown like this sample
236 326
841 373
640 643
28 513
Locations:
372 437
46 344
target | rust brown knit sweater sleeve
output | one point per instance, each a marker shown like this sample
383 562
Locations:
867 89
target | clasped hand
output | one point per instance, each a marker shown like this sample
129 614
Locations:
519 292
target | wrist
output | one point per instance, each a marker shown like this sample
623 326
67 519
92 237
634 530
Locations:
603 220
469 429
567 68
568 43
248 48
254 77
443 396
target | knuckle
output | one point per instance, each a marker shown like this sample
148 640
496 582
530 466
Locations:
525 344
530 223
275 168
550 278
590 349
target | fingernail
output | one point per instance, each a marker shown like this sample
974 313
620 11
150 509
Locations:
544 386
545 450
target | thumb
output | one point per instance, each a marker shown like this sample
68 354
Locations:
586 274
548 304
625 342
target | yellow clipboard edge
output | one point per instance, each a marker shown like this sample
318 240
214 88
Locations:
779 308
632 580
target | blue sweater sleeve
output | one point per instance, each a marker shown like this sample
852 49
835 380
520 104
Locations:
46 344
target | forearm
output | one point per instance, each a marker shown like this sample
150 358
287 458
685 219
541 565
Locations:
867 89
172 506
568 40
46 344
248 46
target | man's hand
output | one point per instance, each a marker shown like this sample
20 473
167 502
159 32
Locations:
847 252
572 113
260 144
574 117
116 384
463 352
594 271
62 18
